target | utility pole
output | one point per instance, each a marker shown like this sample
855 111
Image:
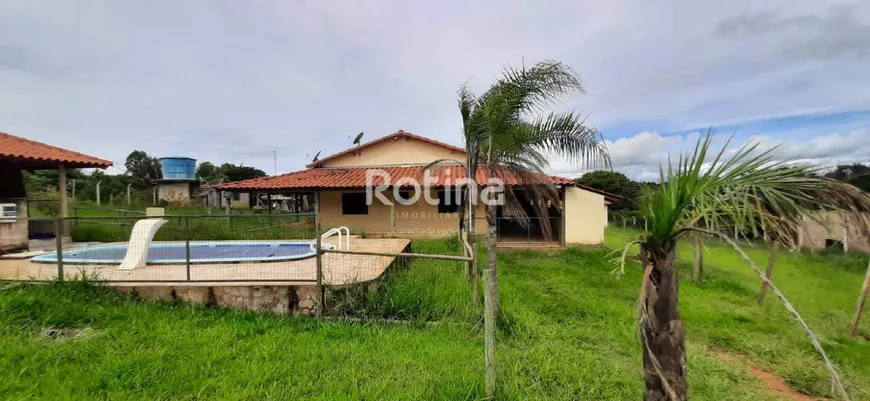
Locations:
275 160
128 193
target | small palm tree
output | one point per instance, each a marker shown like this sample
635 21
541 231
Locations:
506 136
748 192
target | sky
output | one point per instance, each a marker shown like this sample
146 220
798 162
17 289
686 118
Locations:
233 81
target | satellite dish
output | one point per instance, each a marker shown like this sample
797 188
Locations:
316 156
358 138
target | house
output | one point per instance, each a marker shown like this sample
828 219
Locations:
393 163
17 154
833 229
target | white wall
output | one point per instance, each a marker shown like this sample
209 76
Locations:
585 217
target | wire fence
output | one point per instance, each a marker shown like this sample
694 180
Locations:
131 249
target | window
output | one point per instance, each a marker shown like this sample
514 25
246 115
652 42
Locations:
354 203
404 197
448 202
8 211
237 196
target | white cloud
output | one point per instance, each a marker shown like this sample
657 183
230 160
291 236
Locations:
234 81
640 156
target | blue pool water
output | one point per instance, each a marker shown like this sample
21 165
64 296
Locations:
200 252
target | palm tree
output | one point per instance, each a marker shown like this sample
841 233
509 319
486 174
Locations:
506 135
749 192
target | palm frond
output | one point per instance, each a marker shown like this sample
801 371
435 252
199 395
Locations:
749 192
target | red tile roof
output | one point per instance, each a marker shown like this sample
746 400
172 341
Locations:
397 134
38 155
355 177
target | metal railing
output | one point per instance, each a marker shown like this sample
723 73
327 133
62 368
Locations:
186 249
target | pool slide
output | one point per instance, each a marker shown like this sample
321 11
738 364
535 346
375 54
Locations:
140 241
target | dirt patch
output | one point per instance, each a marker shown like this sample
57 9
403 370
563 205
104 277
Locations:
66 334
772 380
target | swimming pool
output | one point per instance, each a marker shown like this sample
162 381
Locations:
200 252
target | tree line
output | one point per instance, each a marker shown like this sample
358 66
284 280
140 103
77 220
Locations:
142 170
631 191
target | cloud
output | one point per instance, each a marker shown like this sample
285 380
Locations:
837 33
232 82
640 156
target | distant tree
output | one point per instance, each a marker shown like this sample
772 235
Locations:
143 168
855 174
232 172
207 171
615 183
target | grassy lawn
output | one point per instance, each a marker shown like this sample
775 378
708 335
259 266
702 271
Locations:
568 333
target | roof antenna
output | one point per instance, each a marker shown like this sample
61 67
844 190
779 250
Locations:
358 139
317 156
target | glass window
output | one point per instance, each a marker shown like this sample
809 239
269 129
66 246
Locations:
448 202
354 203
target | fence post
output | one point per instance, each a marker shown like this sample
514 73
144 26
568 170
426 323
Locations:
473 267
319 262
187 246
58 240
321 294
771 260
861 299
489 330
698 260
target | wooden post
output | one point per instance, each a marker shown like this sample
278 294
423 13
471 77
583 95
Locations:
58 242
393 216
61 184
771 260
698 267
187 246
321 293
319 255
474 283
861 299
489 322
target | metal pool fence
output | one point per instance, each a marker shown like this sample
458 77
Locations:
196 248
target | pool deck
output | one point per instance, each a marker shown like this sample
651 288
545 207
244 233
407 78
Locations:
338 269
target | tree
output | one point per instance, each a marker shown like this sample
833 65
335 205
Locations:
749 191
615 183
232 172
207 171
143 168
855 174
505 136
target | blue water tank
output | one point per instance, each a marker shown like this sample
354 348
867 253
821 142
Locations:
178 168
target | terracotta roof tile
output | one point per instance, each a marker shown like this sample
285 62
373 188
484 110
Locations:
397 134
42 155
355 177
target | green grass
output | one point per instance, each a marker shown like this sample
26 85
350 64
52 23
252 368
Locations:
568 333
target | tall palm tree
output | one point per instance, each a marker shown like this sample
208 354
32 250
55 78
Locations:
748 192
509 135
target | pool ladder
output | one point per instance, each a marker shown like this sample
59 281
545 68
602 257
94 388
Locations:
338 231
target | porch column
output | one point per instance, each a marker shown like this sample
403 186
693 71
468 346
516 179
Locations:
61 184
61 170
